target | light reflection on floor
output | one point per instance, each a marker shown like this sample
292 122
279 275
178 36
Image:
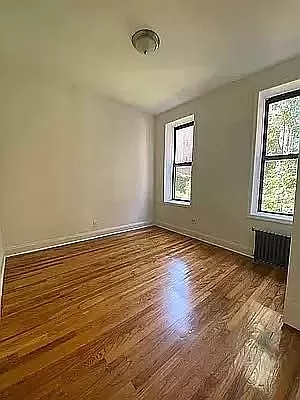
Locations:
260 352
177 296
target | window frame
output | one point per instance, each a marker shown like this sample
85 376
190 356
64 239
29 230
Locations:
184 164
275 157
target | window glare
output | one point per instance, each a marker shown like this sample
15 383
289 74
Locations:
284 126
184 145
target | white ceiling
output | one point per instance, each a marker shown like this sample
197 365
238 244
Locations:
205 43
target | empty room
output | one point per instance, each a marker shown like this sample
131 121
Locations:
149 200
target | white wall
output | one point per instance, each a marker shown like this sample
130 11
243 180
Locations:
223 151
68 156
292 298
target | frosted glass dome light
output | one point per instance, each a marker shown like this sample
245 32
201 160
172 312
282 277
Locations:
145 41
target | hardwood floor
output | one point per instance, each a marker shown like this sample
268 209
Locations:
148 314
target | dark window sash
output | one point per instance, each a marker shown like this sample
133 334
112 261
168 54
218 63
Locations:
277 213
283 96
275 157
178 127
279 157
183 164
175 166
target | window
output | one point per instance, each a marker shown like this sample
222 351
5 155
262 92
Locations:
278 156
178 161
182 162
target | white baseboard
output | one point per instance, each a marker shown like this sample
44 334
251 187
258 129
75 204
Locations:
77 237
291 314
224 244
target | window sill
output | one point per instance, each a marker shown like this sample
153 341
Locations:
177 203
281 219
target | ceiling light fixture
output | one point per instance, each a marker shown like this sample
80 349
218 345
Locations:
145 41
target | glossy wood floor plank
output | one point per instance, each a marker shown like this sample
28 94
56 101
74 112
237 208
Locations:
148 314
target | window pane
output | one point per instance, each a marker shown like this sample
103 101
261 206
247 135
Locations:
279 186
184 144
183 183
284 126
